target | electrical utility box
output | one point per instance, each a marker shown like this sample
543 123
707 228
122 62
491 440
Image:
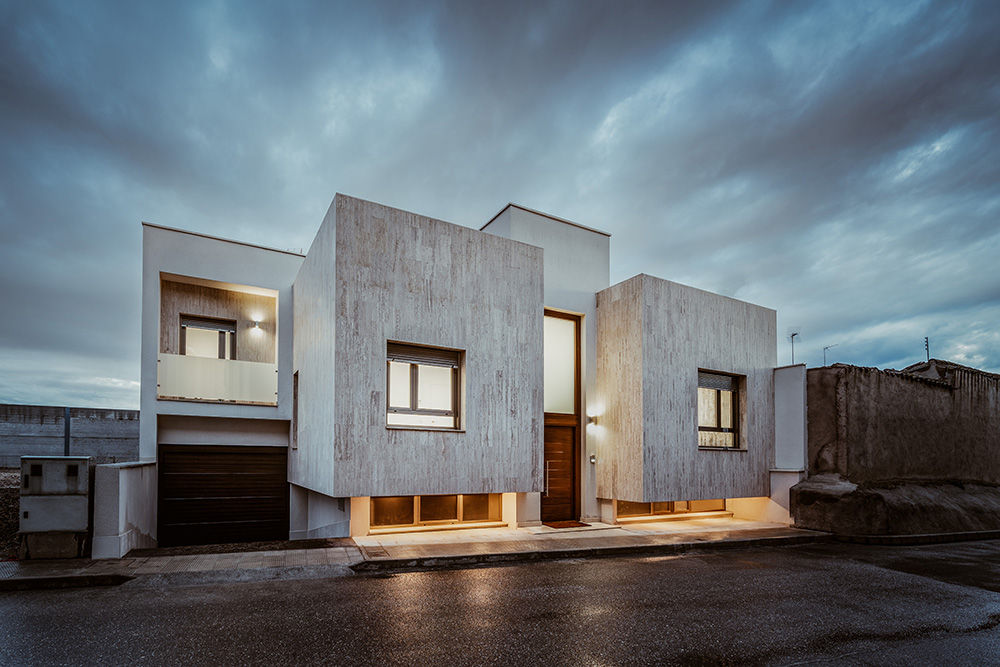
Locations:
55 506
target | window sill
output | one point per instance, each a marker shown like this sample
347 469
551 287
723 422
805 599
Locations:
424 428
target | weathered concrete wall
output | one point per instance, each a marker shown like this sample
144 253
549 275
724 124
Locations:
32 430
872 426
407 278
683 330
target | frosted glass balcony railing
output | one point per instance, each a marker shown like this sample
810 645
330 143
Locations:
224 380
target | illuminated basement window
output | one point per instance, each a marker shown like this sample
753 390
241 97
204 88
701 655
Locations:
629 509
422 387
401 511
718 411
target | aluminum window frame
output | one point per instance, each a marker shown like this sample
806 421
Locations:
736 382
421 355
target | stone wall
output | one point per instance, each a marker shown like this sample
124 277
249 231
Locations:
872 426
109 436
893 452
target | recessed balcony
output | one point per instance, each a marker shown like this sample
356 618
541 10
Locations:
217 342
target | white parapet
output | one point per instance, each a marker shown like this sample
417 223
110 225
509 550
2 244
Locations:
204 379
124 508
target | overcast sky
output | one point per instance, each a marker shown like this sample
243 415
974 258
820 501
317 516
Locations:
838 162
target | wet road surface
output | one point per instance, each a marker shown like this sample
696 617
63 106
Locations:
828 604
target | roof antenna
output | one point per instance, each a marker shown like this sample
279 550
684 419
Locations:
825 348
927 347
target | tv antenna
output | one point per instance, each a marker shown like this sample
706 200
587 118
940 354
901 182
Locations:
927 347
825 348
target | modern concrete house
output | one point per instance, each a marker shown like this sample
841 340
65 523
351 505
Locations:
412 374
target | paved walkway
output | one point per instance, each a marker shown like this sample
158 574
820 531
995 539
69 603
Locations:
473 543
429 549
147 565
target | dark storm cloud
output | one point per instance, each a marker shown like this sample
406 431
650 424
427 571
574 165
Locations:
836 162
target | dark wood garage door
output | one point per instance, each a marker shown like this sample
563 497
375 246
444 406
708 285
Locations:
211 494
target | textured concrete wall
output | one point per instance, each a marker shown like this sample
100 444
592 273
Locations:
683 330
177 299
408 278
619 390
310 462
32 430
872 426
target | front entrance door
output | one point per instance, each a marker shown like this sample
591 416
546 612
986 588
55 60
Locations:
561 486
559 495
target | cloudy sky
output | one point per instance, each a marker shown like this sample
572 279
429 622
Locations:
837 162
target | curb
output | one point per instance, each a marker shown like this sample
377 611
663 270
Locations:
66 581
445 562
916 540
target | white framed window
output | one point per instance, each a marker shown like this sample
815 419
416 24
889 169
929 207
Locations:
423 386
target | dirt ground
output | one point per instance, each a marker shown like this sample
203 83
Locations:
10 495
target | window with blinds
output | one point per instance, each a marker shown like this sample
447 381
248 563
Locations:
422 386
718 410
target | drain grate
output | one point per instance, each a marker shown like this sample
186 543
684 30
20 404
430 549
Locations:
9 568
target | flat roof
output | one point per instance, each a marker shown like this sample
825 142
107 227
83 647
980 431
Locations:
220 238
544 215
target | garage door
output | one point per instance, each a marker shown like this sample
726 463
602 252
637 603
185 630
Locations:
213 493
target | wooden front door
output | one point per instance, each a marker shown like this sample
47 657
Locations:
559 494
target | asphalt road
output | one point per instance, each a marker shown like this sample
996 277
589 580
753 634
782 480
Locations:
814 603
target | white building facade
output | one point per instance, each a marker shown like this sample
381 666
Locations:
411 374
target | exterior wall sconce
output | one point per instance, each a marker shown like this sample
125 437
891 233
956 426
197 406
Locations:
593 459
256 325
591 420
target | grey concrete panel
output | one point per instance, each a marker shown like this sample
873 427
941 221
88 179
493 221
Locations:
683 330
407 278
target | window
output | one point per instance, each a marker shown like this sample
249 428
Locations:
718 410
434 510
422 386
295 410
208 337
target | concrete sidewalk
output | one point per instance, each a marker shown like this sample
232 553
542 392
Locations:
425 550
22 575
493 545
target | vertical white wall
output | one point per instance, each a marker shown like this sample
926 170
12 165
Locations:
577 265
790 417
124 508
224 262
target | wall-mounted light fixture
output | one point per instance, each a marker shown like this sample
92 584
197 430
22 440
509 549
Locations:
591 419
593 459
256 325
